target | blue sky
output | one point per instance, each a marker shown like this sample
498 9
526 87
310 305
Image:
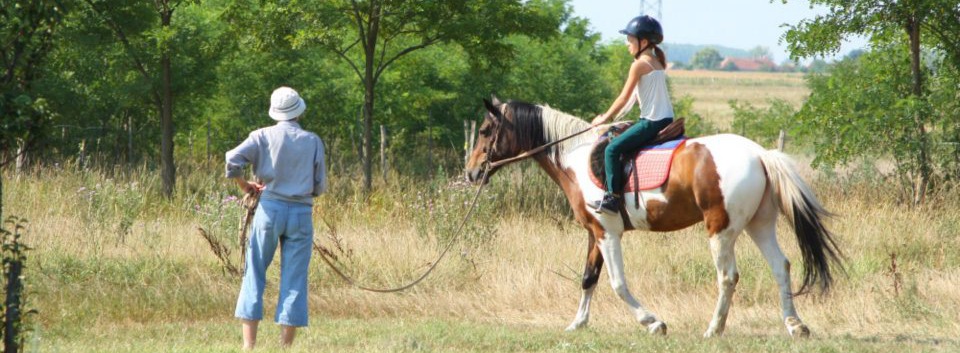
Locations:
742 24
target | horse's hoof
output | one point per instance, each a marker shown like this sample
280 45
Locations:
712 332
576 326
797 328
657 328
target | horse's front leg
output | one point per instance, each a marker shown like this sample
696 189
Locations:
591 273
613 254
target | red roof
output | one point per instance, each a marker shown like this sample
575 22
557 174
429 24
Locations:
749 64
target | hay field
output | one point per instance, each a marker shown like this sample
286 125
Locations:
713 90
117 268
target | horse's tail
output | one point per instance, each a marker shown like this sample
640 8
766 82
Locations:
798 203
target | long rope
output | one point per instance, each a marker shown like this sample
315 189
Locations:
350 281
473 204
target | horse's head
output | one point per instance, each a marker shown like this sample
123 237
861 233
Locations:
496 141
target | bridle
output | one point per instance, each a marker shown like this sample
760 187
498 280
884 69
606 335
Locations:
487 165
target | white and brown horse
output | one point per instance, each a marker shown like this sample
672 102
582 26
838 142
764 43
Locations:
727 181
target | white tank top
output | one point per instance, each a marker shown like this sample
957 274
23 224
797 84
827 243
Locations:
651 93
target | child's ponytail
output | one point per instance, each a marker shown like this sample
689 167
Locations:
661 57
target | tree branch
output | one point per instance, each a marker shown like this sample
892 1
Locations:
126 44
426 43
360 24
343 55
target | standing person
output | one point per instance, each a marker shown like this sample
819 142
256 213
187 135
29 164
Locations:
646 84
289 162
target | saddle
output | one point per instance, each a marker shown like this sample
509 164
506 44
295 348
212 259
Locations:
646 168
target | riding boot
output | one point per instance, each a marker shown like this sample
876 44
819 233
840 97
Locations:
609 204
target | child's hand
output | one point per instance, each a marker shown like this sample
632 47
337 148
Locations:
599 120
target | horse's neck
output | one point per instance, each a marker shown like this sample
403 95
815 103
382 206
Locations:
558 125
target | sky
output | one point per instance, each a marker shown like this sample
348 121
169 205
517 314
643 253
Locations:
742 24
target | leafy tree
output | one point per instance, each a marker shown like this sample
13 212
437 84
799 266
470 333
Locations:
729 66
817 66
26 30
885 23
764 124
707 58
114 15
760 52
563 71
370 36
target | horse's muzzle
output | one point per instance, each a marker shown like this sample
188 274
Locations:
474 175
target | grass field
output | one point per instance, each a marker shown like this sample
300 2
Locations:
116 268
713 90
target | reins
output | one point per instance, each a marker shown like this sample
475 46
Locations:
534 151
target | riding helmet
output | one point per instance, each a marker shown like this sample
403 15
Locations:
644 27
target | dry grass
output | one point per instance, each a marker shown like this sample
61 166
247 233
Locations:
713 90
524 276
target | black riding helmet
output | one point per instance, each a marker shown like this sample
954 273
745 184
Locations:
644 27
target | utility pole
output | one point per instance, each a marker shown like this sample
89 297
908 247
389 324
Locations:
652 8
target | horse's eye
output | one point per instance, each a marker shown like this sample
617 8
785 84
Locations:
485 132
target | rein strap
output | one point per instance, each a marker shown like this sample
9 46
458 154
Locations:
534 151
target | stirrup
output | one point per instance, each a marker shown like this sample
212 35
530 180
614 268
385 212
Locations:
610 204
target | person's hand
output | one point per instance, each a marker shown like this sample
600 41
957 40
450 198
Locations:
251 187
599 120
257 187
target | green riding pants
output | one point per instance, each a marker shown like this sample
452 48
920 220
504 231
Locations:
642 132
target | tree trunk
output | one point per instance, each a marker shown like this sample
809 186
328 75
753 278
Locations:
367 143
369 82
923 156
167 168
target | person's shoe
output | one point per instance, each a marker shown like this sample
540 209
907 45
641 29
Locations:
610 204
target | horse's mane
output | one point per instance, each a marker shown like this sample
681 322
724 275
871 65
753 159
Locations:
536 125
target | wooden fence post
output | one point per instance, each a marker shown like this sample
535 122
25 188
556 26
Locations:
208 139
782 141
383 152
466 145
473 135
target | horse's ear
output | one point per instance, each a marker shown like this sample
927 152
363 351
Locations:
495 100
490 107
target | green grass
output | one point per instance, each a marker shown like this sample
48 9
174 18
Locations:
432 335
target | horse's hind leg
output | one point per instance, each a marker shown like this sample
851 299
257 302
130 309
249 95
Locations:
725 260
591 273
613 255
763 230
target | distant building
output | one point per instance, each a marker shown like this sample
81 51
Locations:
748 64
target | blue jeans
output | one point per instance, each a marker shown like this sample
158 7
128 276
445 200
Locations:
290 225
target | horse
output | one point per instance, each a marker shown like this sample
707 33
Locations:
727 181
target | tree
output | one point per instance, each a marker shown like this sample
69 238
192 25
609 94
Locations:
886 22
707 58
760 52
113 17
26 32
371 35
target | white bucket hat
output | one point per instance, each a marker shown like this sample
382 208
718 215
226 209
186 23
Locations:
286 104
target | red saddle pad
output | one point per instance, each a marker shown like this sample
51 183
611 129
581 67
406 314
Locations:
653 165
